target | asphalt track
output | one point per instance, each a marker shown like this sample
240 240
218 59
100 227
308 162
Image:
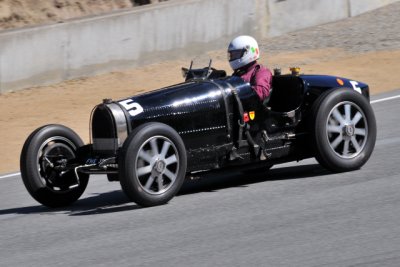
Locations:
297 215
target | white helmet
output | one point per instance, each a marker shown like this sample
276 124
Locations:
242 51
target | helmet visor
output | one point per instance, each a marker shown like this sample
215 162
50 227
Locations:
236 54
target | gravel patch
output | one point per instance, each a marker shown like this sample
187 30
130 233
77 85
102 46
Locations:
373 31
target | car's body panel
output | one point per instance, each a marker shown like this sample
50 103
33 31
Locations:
201 111
317 84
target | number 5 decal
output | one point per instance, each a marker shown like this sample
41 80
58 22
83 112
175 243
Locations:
132 107
355 86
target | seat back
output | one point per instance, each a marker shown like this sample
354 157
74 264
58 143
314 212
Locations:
287 93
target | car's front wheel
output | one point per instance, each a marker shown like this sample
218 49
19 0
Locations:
152 164
45 164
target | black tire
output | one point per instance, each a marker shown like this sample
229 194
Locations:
43 153
343 130
152 164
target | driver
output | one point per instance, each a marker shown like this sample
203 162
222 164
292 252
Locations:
243 53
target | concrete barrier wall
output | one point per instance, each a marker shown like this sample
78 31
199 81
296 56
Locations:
52 53
358 7
290 15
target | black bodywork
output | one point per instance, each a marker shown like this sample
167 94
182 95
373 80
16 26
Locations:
220 119
151 142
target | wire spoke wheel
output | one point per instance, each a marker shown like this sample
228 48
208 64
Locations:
347 129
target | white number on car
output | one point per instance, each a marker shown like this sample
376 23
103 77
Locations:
132 107
355 86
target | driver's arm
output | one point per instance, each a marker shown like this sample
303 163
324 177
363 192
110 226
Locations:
262 83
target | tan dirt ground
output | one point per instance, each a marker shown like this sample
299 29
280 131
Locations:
71 102
20 13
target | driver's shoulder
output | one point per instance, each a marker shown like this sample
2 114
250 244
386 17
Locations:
262 70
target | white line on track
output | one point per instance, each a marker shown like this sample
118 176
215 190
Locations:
385 99
10 175
372 102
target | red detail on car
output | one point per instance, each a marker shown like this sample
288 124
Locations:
246 117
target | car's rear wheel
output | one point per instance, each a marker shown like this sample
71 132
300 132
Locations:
344 130
45 166
152 164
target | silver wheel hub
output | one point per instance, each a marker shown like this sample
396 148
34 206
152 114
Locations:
157 165
347 129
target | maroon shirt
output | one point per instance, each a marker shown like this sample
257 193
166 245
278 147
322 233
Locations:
259 77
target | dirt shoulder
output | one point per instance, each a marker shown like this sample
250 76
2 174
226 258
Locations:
71 102
20 13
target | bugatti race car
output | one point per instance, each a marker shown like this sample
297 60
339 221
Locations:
152 141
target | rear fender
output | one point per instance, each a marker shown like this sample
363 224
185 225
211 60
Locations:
315 85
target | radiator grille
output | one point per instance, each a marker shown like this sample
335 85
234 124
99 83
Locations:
104 134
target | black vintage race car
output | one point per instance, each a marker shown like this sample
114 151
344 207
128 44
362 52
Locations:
151 142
